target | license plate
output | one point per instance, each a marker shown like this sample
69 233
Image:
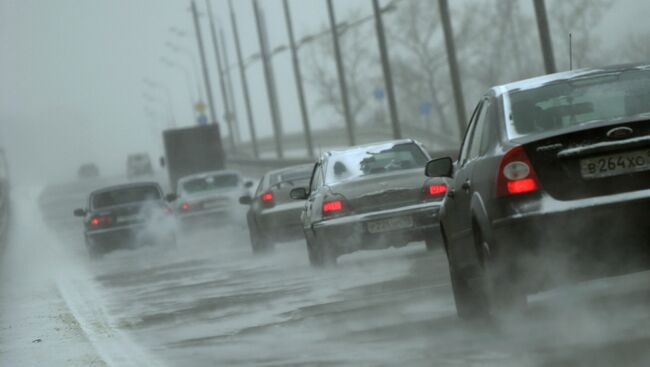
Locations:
615 164
128 218
212 204
390 224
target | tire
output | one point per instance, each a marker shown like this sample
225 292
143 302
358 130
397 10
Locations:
258 244
487 290
432 240
320 253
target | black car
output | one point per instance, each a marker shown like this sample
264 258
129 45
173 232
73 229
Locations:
369 197
552 185
273 216
126 216
88 170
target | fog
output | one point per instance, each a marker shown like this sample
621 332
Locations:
87 81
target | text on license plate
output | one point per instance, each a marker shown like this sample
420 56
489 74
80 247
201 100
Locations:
390 224
615 164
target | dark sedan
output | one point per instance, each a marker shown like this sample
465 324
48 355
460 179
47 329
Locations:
127 216
369 197
273 216
552 185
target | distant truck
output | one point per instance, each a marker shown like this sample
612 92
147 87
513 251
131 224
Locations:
192 150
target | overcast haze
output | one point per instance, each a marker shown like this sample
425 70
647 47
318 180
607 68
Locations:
71 73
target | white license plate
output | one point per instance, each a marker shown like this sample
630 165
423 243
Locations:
213 204
390 224
129 218
615 164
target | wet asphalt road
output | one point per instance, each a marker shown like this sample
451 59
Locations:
211 302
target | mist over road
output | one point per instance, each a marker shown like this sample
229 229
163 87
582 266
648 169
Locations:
211 302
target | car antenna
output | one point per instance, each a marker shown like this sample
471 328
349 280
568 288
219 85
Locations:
570 53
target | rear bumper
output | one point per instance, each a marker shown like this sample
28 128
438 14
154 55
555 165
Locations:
350 233
206 217
125 237
580 239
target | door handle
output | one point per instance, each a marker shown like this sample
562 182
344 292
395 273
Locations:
466 185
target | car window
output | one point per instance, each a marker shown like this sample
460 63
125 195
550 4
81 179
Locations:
210 183
579 101
464 149
127 195
479 129
372 160
317 178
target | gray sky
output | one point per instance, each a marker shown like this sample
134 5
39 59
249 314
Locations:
71 73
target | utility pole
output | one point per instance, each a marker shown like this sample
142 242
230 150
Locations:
298 77
385 64
270 83
349 123
244 81
206 74
231 93
544 36
222 84
453 67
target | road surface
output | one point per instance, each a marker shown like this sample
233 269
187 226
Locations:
212 303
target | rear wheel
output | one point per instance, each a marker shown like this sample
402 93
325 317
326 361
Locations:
259 244
489 289
320 253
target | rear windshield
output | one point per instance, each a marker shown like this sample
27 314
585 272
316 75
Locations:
125 196
210 183
580 101
366 161
291 178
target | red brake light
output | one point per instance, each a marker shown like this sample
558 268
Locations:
437 189
267 196
100 220
332 206
516 174
185 206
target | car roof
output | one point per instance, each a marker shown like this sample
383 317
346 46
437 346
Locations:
209 173
298 167
125 186
540 81
334 152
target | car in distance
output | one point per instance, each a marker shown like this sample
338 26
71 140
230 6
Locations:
552 185
138 164
272 215
210 197
87 171
126 216
369 197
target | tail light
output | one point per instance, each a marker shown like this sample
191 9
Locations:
516 174
437 190
101 221
185 207
267 199
334 206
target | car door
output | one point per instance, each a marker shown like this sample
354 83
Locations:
315 184
458 224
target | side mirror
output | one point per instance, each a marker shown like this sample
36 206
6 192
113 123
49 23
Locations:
441 167
171 197
299 193
248 184
79 212
246 200
162 162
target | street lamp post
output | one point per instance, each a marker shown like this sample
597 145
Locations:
193 63
206 74
231 93
298 78
270 83
385 63
222 84
244 81
341 72
188 80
